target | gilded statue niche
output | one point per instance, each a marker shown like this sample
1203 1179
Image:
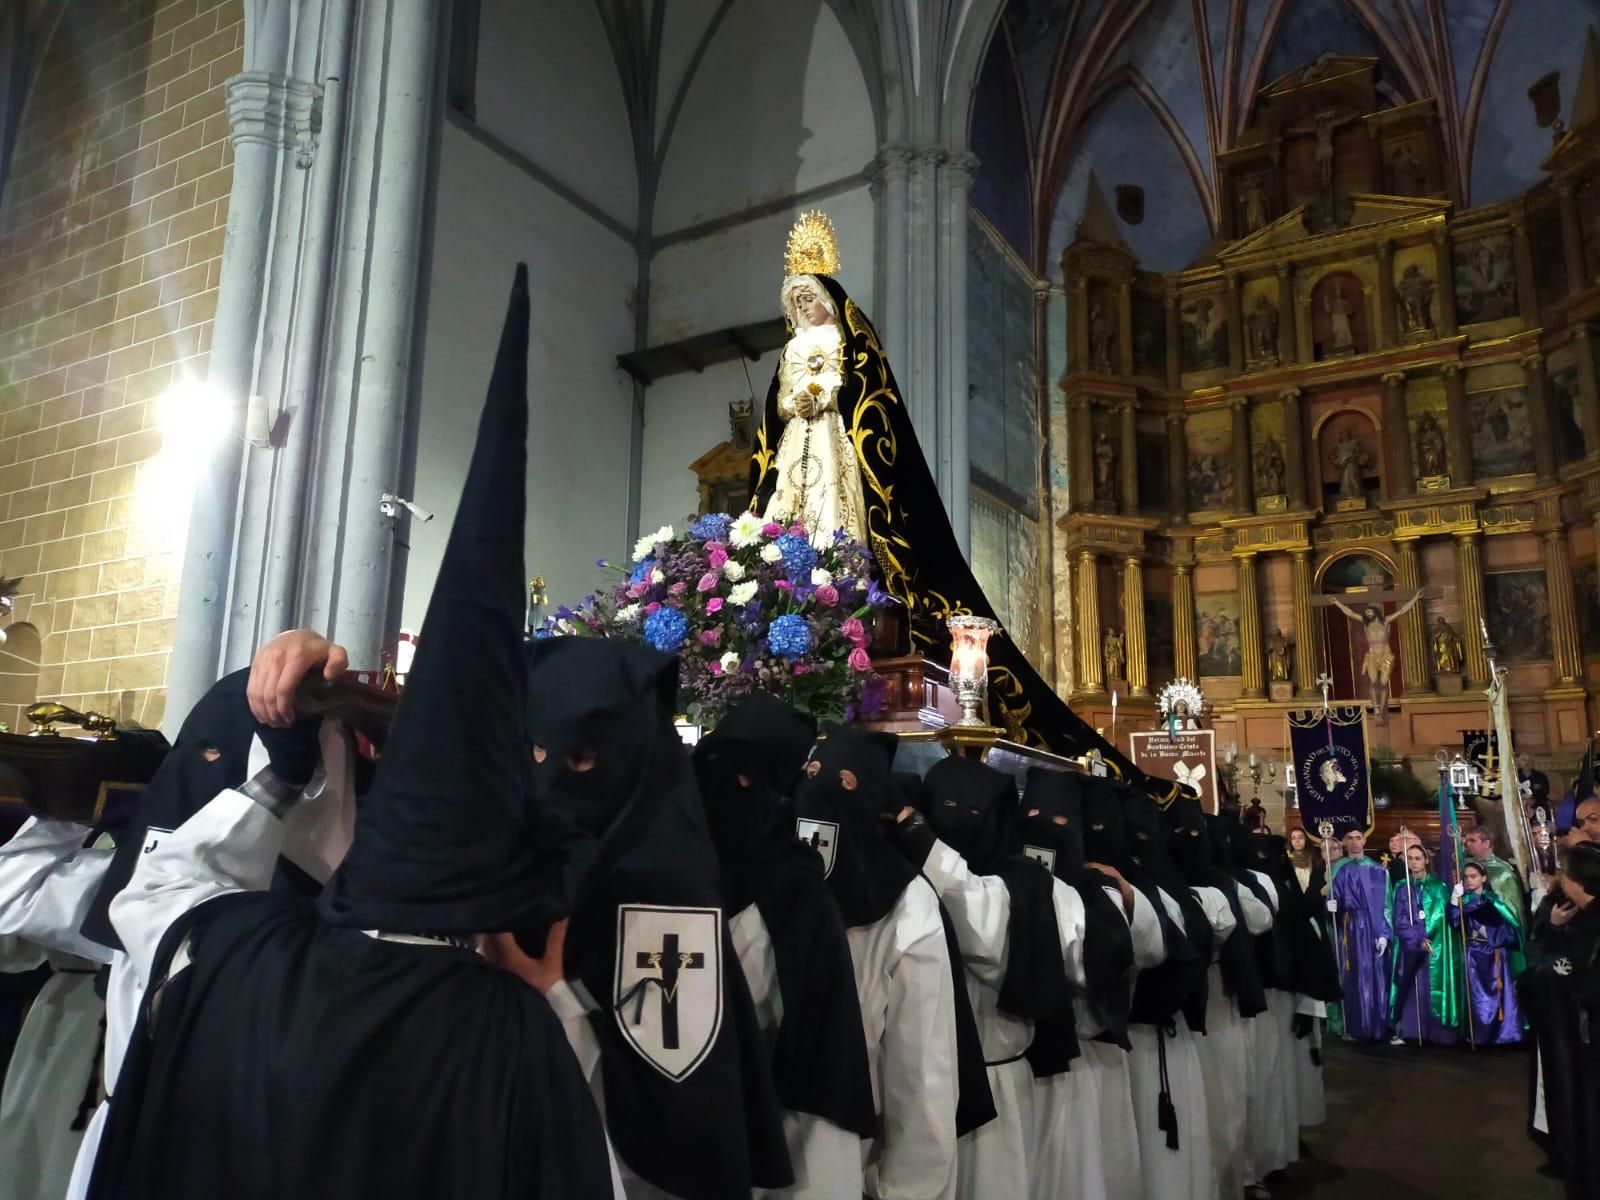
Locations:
1259 301
1336 311
1267 453
1428 418
1416 301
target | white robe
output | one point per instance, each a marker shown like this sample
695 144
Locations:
1274 1112
826 1158
1224 1053
1085 1145
1186 1173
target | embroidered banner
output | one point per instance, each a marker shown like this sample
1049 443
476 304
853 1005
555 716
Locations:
1185 756
1330 767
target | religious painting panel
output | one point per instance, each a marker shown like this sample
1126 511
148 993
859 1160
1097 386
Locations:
1058 464
1501 432
1486 279
1339 323
1586 583
1203 328
1565 401
1005 561
1210 440
1516 606
1349 453
1415 270
1154 481
1216 630
1260 307
1103 322
1159 646
1267 451
1428 421
1002 374
1549 254
1405 167
1149 335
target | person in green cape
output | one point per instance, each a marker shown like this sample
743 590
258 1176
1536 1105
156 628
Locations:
1425 995
1503 879
1494 932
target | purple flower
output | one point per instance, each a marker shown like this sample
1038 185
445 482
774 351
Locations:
708 582
827 595
710 637
877 597
714 605
678 588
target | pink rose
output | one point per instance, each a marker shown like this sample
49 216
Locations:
637 590
678 588
827 595
798 669
708 582
715 668
771 529
710 637
855 631
783 585
798 529
714 605
653 606
717 558
859 660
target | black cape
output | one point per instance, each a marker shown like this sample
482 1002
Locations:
1189 845
915 547
1147 840
819 1050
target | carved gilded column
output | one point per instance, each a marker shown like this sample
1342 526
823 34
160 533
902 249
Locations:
1397 436
1177 467
1564 645
1413 626
1307 660
1252 675
1571 237
1459 432
1294 450
1183 646
1235 326
1288 341
1588 387
1174 339
1243 470
1091 668
1129 480
1134 639
1386 313
1445 286
1544 447
1469 583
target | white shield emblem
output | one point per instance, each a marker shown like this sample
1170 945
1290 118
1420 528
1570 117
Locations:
669 984
1041 854
821 836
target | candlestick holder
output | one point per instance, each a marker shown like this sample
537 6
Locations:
969 667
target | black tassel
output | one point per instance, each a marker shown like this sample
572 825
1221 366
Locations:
1167 1119
1316 1057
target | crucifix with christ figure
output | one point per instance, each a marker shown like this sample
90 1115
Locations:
1379 661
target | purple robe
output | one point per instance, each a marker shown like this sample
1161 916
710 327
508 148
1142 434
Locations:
1416 1009
1493 948
1361 889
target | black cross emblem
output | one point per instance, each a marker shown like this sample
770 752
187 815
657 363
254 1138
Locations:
669 960
817 842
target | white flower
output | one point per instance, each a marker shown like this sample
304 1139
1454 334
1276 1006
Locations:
742 593
770 553
730 662
646 546
628 613
734 571
746 531
658 576
821 577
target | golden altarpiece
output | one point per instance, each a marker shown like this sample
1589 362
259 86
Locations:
1358 393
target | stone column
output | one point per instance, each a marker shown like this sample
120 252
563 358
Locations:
1251 667
1522 256
1386 313
1133 630
1177 467
1459 433
1544 448
1571 237
1174 340
1091 667
1413 627
892 183
1124 329
1080 415
955 455
1183 645
1129 459
1078 325
1588 387
1469 583
1294 450
1445 286
1235 326
1307 662
1288 336
1243 468
1564 645
1396 436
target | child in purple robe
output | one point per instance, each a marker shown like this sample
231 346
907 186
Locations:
1494 959
1426 996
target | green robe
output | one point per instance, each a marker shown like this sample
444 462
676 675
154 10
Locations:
1508 889
1446 981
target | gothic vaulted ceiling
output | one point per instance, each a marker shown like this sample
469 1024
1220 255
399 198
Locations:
1149 92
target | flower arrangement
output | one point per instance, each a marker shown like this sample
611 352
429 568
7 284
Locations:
747 605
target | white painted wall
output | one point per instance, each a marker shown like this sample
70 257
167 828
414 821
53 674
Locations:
491 213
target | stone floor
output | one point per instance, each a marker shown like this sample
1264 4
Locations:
1420 1124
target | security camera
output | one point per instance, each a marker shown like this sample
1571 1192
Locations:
391 505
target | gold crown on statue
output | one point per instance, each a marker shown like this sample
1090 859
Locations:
813 249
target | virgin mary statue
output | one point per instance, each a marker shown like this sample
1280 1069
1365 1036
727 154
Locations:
836 451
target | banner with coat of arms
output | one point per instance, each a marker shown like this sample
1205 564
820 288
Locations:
1187 756
1330 766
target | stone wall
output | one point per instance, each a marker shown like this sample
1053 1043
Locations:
111 237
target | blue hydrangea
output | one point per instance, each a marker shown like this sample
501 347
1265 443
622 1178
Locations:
799 556
789 636
665 629
641 573
713 527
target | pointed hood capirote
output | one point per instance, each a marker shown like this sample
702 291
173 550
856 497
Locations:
449 839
